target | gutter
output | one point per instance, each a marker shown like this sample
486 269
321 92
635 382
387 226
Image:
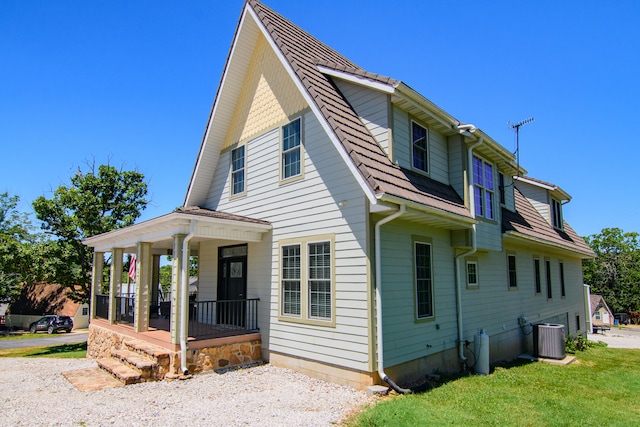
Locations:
378 255
474 248
184 299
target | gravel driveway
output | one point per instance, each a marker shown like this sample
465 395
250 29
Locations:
34 393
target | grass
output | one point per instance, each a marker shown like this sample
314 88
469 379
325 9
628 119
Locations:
63 351
600 388
21 336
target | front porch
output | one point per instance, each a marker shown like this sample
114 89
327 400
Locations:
192 331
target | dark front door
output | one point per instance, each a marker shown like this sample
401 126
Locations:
232 285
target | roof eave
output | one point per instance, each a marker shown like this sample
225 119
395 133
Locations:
523 237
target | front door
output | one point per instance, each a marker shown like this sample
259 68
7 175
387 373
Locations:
232 285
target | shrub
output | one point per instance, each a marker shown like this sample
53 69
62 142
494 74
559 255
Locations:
580 343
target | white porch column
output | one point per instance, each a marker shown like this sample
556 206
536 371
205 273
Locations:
96 281
115 284
176 286
144 270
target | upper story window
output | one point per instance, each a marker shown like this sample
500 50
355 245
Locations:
483 187
503 198
237 170
291 149
420 147
556 213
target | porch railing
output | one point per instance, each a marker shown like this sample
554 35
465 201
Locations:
125 312
102 306
222 318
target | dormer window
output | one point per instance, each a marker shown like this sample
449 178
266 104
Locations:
556 213
483 187
420 147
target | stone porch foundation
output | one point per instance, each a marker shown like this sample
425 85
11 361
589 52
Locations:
202 356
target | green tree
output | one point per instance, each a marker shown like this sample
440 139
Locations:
17 246
615 272
95 202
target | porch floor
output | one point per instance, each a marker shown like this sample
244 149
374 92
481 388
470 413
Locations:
159 333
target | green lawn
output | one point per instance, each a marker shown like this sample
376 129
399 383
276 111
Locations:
600 388
21 336
63 351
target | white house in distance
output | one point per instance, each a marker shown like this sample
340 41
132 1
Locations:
346 227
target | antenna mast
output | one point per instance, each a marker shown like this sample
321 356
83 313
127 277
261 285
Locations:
517 128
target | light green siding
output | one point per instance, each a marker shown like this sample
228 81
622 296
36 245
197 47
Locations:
307 207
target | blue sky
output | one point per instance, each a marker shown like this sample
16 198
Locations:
131 83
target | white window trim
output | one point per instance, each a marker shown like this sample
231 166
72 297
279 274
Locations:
556 214
281 152
427 146
484 189
305 292
232 173
477 282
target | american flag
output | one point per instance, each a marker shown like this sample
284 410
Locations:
132 267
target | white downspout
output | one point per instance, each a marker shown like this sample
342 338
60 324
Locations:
587 289
184 298
474 247
378 255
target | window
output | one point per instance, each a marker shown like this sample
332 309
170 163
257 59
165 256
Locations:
419 138
562 289
320 280
511 263
237 170
483 188
536 272
472 273
307 281
556 213
291 280
597 313
547 265
424 285
291 150
503 199
578 325
85 311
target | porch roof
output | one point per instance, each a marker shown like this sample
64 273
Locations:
205 224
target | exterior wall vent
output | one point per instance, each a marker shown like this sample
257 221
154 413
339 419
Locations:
548 341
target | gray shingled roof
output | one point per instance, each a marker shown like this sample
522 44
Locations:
304 53
529 223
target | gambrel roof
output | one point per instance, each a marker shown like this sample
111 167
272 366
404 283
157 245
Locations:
528 224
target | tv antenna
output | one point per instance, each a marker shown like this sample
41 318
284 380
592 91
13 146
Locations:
517 126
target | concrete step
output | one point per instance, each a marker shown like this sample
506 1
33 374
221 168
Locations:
116 368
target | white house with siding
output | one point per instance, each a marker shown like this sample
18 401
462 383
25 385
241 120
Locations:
347 225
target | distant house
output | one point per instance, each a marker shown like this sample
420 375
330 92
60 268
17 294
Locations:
39 299
601 315
346 227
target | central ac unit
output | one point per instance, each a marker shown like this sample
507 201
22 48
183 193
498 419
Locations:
548 341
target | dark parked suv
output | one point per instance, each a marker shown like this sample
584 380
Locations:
52 324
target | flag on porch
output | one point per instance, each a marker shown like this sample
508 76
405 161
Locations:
132 267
